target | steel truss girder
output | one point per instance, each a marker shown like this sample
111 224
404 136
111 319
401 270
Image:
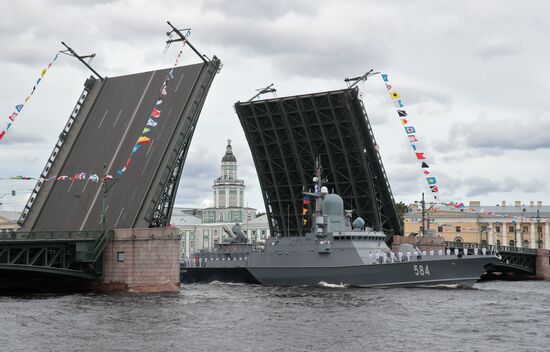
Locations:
58 256
285 136
526 261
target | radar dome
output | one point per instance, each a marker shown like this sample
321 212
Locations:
333 204
324 190
358 223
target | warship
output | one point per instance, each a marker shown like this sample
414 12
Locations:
337 251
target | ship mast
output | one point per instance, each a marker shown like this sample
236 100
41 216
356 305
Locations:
317 193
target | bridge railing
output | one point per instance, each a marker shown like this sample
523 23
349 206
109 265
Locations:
490 247
34 236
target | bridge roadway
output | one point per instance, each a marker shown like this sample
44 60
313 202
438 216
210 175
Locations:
108 134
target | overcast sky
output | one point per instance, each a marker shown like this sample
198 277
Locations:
473 76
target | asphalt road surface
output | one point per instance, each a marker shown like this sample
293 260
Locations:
110 131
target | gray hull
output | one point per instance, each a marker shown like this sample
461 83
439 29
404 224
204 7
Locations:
422 272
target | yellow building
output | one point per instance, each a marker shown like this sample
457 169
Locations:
516 226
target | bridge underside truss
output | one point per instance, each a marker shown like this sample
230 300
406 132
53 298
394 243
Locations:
285 136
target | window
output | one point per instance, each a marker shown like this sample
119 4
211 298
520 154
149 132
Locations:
512 243
120 257
525 244
525 229
440 229
511 228
458 229
497 229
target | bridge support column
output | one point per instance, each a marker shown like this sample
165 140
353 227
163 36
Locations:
143 260
542 265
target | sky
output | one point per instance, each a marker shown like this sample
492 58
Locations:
472 74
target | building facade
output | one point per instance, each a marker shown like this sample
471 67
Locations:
518 225
202 229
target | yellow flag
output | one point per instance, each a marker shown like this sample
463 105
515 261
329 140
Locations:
43 73
394 95
144 140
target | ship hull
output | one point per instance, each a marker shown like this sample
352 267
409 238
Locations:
414 273
465 271
229 274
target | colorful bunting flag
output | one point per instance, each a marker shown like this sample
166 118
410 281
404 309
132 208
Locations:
394 95
143 140
19 107
420 156
155 113
411 134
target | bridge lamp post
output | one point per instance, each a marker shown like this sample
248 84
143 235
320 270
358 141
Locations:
515 233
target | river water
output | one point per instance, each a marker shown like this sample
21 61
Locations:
228 317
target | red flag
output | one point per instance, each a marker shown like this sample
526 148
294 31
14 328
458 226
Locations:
128 162
2 134
420 156
155 113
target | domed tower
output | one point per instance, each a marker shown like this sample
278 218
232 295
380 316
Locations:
228 190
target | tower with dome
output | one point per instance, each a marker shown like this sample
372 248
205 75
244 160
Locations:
228 194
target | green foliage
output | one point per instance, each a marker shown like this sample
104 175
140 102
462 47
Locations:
401 209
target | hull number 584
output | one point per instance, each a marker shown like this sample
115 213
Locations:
421 270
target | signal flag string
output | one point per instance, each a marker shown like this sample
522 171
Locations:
411 135
19 107
155 114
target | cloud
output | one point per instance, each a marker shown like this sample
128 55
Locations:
490 48
494 135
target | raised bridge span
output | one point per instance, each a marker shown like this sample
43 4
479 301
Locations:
61 223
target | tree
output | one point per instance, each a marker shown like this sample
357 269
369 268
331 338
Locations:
401 209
